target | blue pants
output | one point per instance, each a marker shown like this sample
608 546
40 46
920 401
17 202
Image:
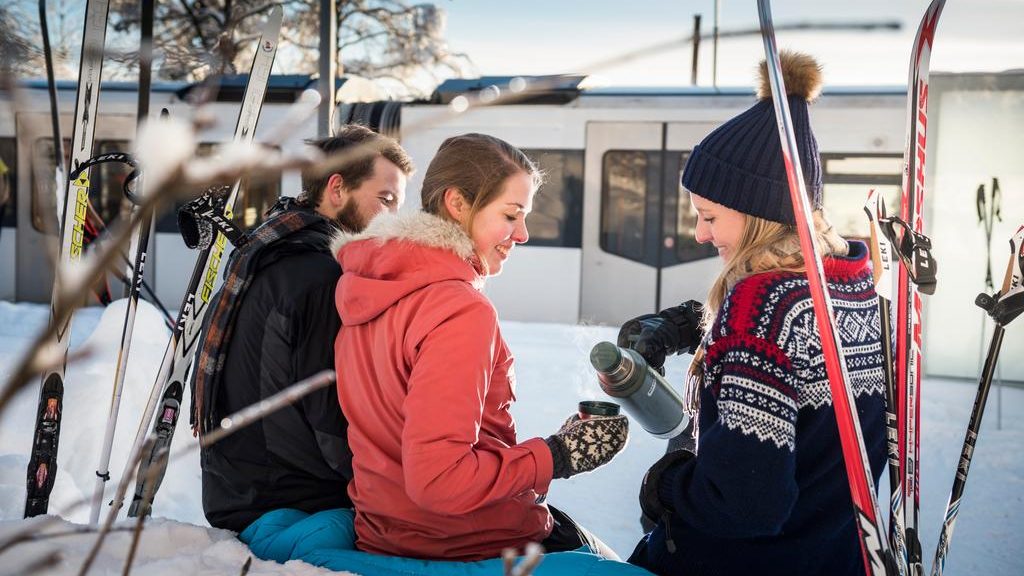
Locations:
327 539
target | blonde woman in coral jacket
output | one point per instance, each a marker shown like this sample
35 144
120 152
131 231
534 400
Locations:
426 379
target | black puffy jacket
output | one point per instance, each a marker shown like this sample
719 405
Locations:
285 328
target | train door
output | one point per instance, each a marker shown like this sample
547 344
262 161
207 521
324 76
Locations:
638 250
36 205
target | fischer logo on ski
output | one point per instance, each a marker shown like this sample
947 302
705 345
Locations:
42 466
80 186
211 271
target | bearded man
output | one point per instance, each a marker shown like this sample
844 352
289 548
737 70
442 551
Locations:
273 323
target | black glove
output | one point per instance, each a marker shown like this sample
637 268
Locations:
582 445
651 504
671 331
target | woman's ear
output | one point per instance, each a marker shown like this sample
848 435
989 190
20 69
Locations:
456 205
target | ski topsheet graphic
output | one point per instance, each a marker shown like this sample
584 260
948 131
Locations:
42 466
915 275
168 389
858 469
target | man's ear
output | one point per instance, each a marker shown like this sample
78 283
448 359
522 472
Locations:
334 190
456 205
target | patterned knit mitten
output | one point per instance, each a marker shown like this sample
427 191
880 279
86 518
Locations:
582 445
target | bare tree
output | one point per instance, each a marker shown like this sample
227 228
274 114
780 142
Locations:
19 55
392 40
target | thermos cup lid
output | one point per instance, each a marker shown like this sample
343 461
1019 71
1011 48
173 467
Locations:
598 408
605 357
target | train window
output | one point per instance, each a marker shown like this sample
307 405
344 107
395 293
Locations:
687 249
557 217
624 189
251 204
8 182
106 191
847 179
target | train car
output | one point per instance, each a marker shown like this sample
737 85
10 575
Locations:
611 234
611 231
26 140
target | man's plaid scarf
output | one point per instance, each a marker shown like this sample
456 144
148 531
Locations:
285 218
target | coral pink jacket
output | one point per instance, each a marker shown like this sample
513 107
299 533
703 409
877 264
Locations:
426 382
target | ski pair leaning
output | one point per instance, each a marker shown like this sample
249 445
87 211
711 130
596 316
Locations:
901 252
195 222
73 207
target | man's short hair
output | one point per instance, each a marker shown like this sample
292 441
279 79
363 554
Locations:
351 153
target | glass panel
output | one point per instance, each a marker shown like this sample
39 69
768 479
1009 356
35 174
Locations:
687 247
557 214
623 203
106 191
44 197
877 165
107 187
251 204
8 182
847 180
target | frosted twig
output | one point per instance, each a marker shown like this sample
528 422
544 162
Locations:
228 426
108 522
33 565
508 560
532 557
172 171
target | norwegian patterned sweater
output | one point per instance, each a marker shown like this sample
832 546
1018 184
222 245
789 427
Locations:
767 492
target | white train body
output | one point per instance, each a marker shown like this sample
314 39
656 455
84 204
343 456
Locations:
611 232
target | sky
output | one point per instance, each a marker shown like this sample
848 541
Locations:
529 37
565 36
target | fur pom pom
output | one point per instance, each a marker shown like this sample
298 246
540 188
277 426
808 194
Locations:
801 74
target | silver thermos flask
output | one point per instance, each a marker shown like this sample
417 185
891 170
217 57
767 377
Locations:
643 392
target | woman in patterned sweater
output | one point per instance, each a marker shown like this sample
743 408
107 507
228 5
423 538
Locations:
766 492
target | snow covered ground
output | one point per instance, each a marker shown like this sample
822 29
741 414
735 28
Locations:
553 374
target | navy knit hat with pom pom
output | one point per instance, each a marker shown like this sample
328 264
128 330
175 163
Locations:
739 164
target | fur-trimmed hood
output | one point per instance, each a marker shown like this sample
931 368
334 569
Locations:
417 227
397 255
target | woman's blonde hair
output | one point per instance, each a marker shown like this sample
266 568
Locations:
768 246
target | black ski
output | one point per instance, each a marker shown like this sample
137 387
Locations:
168 389
58 142
1003 306
42 466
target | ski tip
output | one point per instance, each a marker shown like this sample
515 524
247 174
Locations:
276 14
801 75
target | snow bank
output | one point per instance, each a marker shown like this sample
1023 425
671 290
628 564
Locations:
167 548
553 374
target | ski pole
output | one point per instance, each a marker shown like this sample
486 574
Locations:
1003 306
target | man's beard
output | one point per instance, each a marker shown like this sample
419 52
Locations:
349 217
